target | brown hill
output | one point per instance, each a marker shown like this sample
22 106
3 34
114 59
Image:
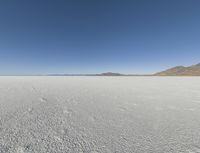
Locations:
193 70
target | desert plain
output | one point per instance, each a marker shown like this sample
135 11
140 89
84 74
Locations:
96 114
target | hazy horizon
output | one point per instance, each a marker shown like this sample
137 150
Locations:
93 36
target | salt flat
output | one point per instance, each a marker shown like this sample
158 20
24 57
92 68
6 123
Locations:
99 114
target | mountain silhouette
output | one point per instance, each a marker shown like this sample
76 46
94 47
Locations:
193 70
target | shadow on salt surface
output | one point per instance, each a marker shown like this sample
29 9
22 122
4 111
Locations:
26 148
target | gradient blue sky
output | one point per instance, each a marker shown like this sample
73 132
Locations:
94 36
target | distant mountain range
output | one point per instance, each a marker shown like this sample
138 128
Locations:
193 70
101 74
110 74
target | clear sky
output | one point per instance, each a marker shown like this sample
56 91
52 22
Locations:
94 36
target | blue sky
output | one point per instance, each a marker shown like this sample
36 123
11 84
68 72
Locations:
94 36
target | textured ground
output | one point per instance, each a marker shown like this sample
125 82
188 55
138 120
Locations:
100 114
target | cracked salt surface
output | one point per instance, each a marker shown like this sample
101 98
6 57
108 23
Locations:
99 114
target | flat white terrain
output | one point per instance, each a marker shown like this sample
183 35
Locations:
99 114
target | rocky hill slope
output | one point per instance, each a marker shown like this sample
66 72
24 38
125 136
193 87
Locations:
193 70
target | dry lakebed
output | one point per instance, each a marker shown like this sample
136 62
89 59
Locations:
88 114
